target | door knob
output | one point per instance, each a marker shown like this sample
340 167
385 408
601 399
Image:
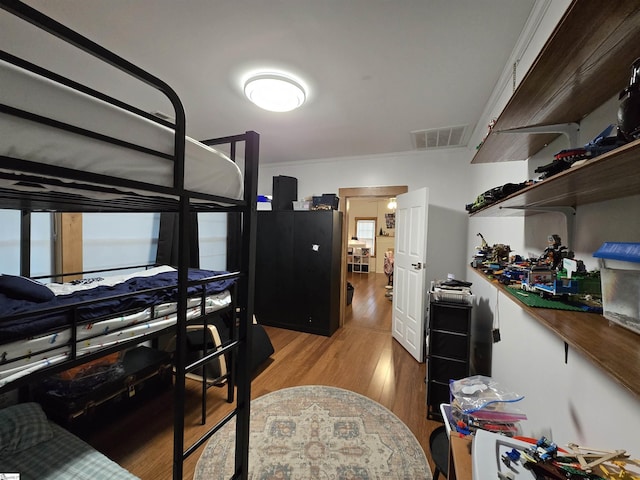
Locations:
417 266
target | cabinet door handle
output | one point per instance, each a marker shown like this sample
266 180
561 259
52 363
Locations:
417 266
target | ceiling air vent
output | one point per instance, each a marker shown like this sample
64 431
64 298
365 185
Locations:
439 137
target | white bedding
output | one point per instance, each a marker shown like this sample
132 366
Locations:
110 280
206 170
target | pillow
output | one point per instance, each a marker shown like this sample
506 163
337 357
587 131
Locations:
22 426
24 288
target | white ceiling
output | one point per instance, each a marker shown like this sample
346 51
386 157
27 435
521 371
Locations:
376 69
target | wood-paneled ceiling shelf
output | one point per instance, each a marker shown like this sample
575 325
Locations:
585 62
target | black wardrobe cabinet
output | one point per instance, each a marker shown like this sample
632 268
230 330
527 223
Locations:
449 349
298 270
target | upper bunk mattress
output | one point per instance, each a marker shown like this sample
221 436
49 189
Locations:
207 170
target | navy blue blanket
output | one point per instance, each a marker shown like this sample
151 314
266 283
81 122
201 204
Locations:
17 328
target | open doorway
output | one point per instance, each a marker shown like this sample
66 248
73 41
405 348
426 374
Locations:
364 194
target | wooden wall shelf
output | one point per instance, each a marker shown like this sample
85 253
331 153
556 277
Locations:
615 174
586 61
618 356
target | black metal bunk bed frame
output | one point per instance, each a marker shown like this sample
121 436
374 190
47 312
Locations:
241 261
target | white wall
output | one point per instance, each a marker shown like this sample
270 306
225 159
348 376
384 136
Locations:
445 172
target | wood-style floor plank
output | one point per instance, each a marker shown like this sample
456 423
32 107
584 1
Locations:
361 356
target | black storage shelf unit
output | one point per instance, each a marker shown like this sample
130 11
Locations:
449 351
298 258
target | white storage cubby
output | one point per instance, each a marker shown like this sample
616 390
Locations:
358 256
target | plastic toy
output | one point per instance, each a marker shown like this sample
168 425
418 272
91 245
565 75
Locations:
554 253
491 258
564 159
495 194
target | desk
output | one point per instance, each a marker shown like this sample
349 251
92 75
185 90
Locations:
459 458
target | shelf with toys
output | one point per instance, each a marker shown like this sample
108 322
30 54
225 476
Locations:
584 332
609 176
578 328
578 70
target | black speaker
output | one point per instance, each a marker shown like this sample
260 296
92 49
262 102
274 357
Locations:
285 192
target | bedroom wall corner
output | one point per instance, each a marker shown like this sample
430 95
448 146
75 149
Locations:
446 172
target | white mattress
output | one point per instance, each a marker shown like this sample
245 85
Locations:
206 169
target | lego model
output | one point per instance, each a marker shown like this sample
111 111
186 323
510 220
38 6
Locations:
552 256
513 273
565 159
495 194
491 258
558 287
536 276
482 254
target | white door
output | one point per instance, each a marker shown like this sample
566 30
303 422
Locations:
409 274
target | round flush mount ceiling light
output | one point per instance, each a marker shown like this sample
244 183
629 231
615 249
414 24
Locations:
274 92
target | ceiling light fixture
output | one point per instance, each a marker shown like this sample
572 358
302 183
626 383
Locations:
274 92
392 203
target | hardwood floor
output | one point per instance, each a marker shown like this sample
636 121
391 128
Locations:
361 356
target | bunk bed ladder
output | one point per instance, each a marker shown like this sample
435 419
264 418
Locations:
238 348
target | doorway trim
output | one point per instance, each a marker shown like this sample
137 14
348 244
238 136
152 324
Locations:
357 192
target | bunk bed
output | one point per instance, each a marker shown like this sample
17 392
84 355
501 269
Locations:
30 308
66 147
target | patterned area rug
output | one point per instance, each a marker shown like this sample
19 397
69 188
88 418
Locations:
318 433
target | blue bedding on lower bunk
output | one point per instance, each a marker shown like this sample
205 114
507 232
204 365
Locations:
88 308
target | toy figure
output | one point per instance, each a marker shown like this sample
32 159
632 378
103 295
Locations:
554 253
482 253
500 254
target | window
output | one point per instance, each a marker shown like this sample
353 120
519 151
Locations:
366 233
